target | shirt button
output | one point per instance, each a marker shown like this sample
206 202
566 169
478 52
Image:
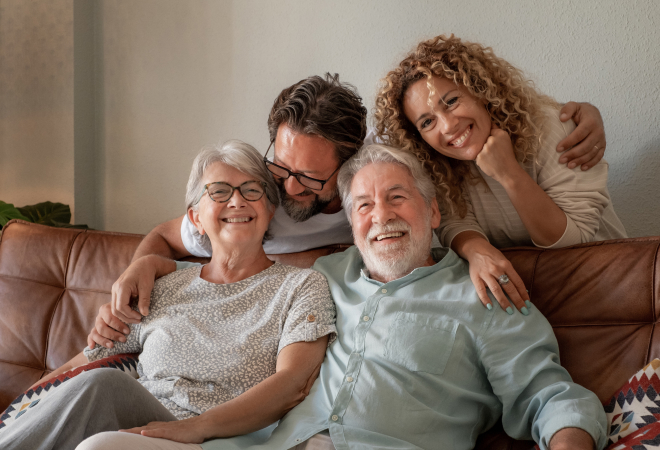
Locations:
335 418
366 318
384 291
349 379
311 318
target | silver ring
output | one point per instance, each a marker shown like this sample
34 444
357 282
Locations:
503 279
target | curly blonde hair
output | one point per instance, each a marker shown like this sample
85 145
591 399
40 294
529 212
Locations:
512 102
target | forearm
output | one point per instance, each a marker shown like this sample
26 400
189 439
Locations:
164 240
78 360
257 408
544 220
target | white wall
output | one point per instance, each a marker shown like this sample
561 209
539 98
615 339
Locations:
174 75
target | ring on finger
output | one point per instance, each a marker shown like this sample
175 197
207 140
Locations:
503 279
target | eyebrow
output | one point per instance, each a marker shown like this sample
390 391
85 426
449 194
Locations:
389 189
424 115
277 161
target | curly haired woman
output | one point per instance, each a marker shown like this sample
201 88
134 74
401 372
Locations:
488 138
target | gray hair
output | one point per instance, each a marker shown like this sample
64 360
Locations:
240 156
379 153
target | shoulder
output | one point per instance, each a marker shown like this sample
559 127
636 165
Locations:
552 128
177 279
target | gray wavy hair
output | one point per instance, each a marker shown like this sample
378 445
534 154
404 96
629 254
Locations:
379 153
234 153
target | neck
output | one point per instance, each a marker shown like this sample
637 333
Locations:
333 207
230 264
386 278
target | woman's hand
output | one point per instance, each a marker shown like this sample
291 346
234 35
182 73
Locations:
187 431
487 264
497 158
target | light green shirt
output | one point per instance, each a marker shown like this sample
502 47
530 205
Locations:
420 363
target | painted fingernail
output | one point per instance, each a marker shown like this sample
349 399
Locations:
529 304
509 310
489 306
524 311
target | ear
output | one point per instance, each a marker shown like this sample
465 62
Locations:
194 219
435 214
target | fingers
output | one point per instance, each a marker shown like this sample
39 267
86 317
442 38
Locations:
121 299
482 292
498 293
568 111
588 152
95 338
135 430
145 288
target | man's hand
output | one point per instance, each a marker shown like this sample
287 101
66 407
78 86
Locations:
571 439
187 431
587 140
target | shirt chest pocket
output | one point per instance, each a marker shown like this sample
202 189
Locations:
421 343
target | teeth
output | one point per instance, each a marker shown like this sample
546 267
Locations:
460 140
237 219
389 235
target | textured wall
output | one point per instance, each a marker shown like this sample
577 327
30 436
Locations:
171 76
36 101
214 78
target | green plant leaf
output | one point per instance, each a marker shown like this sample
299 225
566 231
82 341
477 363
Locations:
8 212
47 213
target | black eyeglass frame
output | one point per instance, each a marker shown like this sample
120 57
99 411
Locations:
298 176
233 188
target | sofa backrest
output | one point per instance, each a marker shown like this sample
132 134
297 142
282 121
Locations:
601 298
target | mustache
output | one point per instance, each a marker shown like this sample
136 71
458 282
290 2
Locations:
397 225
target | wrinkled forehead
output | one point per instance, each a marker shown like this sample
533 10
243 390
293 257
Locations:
382 177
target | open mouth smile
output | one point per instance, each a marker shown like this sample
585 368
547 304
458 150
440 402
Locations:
395 234
237 219
461 139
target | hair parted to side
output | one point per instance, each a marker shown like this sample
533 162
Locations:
234 153
380 153
511 101
323 107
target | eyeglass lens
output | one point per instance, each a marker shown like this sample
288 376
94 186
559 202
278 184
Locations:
221 192
302 179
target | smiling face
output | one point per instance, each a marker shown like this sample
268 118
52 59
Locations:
455 123
392 224
314 157
236 221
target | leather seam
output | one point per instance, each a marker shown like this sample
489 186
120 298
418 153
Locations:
76 289
653 300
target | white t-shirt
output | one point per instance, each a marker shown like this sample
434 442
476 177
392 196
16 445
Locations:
288 236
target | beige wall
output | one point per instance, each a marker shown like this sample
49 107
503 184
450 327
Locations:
172 75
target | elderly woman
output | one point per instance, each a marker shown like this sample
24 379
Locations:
228 347
488 139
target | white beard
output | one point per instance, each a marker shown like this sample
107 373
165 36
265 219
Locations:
396 260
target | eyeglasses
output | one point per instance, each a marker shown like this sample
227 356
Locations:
221 192
284 173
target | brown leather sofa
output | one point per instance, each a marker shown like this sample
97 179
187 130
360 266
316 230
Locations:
603 300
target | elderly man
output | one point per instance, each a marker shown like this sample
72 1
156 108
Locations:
419 363
314 125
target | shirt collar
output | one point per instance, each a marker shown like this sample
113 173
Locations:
441 255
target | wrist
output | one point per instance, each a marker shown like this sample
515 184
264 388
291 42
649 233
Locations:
512 178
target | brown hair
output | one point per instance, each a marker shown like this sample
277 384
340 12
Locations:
324 107
511 101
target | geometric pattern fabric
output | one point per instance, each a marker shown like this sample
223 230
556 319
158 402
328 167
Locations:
29 399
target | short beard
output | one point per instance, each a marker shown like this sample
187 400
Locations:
299 212
400 259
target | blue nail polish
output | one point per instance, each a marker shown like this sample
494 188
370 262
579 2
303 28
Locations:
509 310
489 306
524 311
529 304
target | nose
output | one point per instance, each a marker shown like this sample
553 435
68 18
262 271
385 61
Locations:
236 200
293 186
382 213
448 123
